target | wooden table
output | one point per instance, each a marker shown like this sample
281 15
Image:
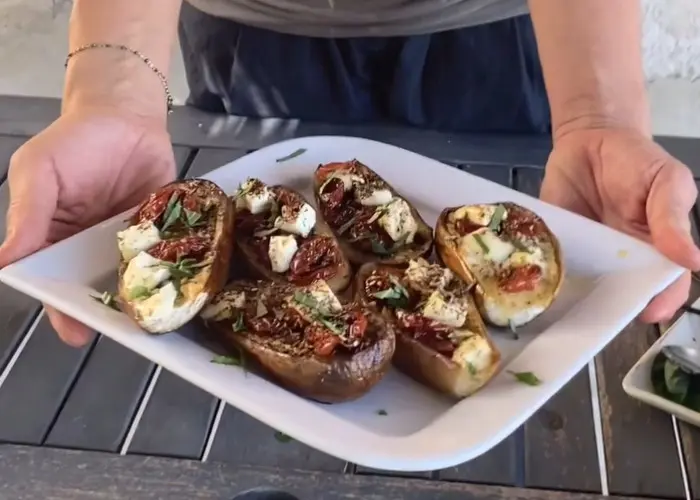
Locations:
102 422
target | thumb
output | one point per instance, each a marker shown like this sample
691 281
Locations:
671 198
33 199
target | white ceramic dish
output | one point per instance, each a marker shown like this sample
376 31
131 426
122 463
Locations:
610 278
637 382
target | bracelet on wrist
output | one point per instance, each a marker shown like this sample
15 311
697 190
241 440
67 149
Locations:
124 48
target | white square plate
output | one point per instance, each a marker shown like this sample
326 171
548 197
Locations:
637 383
610 278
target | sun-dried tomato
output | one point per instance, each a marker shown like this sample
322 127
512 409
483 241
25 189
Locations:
378 281
334 193
521 224
174 250
428 332
317 258
323 341
324 171
465 226
520 279
153 209
357 324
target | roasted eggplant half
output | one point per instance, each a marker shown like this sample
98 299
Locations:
304 337
508 253
175 254
441 340
282 239
372 222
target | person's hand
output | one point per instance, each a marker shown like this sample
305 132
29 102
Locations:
90 164
625 180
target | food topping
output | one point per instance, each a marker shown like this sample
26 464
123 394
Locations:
363 209
283 234
297 321
170 241
504 243
429 302
254 196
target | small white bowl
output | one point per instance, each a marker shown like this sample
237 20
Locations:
637 382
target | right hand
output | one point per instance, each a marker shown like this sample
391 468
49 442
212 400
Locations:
87 166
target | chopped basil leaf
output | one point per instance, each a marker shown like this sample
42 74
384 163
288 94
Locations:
173 211
497 218
383 413
108 300
290 156
389 293
226 360
192 219
344 228
397 296
528 378
309 301
397 285
480 241
282 437
305 300
331 325
472 369
239 325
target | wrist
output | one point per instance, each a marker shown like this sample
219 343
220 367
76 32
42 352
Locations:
112 78
588 113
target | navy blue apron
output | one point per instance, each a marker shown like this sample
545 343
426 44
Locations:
479 79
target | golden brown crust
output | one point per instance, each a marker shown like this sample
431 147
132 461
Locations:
358 257
216 274
341 378
446 248
338 282
425 365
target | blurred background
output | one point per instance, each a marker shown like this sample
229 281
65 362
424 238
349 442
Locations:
33 43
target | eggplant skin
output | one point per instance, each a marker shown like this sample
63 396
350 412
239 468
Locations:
211 279
337 282
425 365
446 246
359 257
342 378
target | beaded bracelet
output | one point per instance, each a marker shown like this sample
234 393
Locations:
146 60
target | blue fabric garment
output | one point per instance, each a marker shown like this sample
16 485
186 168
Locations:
480 79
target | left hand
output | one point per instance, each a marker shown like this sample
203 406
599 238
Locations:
624 180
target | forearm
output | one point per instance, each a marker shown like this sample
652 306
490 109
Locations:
105 77
591 57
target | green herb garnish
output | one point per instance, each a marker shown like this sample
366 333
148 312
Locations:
497 218
382 413
226 360
472 369
192 219
282 437
108 300
140 292
344 228
290 156
173 211
310 302
239 325
528 378
482 244
396 296
671 382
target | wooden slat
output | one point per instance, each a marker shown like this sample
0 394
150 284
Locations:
640 447
178 415
560 441
100 407
29 473
37 385
17 310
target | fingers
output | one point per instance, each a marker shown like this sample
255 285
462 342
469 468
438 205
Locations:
33 198
664 306
670 201
72 332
